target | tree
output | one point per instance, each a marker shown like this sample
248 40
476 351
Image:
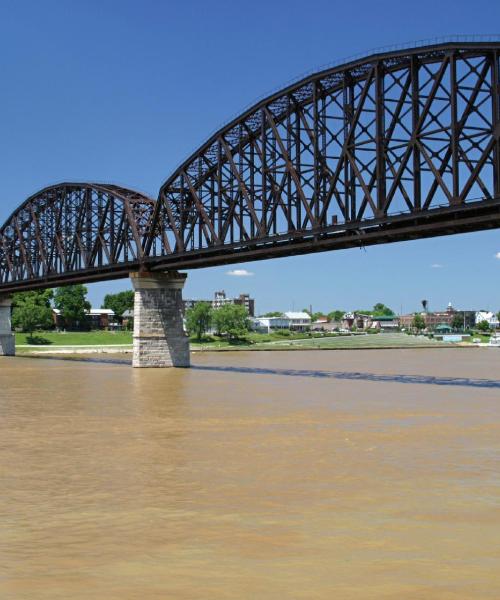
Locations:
483 326
314 315
274 313
199 319
32 310
120 302
71 301
425 304
381 310
418 322
336 315
317 315
231 320
457 322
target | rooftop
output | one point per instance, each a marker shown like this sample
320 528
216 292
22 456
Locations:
92 311
297 315
385 318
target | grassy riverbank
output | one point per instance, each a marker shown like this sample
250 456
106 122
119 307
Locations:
74 338
98 341
340 342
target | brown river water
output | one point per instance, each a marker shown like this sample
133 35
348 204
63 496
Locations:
266 475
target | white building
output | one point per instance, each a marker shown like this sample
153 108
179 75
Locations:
267 324
220 299
299 321
490 317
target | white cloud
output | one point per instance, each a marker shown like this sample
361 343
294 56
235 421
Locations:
497 255
239 273
437 266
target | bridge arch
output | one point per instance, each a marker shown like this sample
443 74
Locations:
72 232
341 158
394 146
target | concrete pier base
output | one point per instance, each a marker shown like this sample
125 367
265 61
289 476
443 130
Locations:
7 340
159 336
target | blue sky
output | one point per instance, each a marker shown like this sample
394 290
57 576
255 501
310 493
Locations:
122 91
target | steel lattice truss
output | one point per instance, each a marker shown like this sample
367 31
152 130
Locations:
395 146
71 229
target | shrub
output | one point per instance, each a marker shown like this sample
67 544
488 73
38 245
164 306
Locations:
283 332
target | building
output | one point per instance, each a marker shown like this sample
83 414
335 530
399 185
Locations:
96 318
386 323
128 319
447 317
299 321
267 324
323 324
247 302
220 299
354 320
490 317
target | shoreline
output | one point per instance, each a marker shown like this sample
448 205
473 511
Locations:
396 341
71 350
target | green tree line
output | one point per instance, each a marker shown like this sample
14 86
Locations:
32 311
230 320
379 310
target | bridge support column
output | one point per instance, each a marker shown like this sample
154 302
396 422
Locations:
159 336
7 340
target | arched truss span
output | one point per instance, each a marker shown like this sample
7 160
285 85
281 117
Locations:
74 232
395 146
390 147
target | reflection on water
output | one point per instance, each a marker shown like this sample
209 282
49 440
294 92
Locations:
253 475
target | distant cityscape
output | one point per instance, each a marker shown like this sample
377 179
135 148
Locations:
439 321
355 320
381 318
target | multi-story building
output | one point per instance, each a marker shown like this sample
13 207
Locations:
490 317
220 299
446 317
247 302
299 321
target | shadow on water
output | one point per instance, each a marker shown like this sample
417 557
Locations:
346 375
415 379
81 358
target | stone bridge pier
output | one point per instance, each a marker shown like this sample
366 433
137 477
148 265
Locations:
159 336
7 340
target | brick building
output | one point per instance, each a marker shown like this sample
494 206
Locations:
445 317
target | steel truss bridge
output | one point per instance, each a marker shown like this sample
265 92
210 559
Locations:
394 146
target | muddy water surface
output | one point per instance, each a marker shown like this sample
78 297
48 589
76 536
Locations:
351 475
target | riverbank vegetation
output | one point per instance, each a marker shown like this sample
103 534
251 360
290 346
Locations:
74 338
250 339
